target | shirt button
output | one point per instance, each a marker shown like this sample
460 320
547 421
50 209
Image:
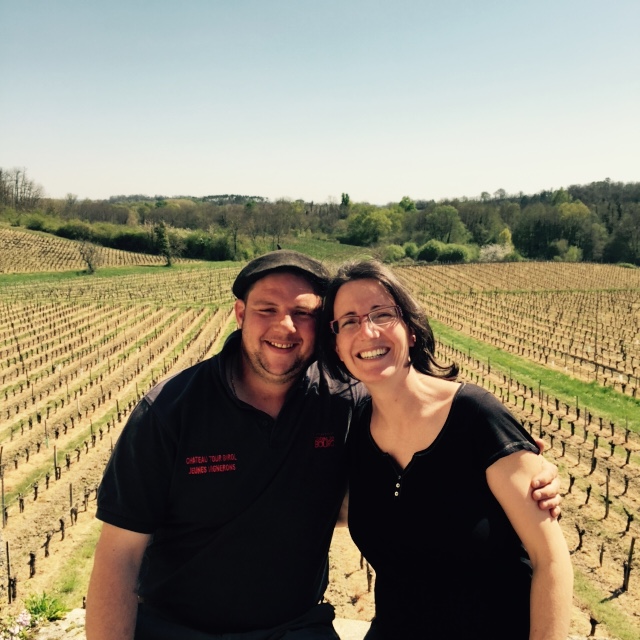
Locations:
397 485
396 494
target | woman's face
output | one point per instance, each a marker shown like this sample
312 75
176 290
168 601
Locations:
372 352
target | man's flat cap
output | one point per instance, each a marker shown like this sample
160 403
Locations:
281 260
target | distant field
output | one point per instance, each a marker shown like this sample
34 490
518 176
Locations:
23 251
557 343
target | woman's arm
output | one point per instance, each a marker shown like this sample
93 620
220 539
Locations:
343 515
552 588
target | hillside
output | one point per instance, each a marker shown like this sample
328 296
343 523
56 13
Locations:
24 251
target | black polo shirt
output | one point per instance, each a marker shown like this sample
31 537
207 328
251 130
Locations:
241 506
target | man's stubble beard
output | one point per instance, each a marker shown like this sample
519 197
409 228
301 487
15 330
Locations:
257 366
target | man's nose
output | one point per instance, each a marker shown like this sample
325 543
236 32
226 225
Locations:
287 322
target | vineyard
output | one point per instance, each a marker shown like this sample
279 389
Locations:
76 355
32 251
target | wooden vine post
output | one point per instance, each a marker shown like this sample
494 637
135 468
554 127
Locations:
4 513
9 589
627 566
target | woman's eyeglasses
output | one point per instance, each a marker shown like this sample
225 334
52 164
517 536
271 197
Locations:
379 317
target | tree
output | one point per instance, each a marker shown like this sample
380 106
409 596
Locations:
17 191
161 242
575 221
407 204
444 224
90 253
538 226
624 244
481 220
367 226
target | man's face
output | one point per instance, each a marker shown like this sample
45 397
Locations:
278 322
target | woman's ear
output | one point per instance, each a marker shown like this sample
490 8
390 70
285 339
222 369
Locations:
412 339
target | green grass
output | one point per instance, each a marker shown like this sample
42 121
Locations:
72 581
604 608
326 250
620 409
45 607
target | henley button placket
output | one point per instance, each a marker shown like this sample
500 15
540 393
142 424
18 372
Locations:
396 493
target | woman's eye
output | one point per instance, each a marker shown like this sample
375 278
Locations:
346 322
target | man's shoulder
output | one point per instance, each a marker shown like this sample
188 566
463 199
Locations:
351 389
192 378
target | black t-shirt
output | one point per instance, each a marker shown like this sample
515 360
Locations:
449 565
241 507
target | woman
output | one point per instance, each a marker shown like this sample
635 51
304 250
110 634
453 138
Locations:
450 564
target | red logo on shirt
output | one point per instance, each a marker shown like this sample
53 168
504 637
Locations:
216 463
325 441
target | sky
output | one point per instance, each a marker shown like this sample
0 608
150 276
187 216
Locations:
310 99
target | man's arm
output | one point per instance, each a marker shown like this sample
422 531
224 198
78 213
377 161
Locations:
112 601
546 485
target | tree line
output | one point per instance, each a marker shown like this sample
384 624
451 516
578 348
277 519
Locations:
597 222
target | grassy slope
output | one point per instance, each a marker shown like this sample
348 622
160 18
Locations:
605 402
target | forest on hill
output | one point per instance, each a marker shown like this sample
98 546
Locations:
597 222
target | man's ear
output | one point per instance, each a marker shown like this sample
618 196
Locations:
239 308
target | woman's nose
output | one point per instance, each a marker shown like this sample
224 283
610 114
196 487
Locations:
367 327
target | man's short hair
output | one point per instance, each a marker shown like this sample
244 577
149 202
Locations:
281 261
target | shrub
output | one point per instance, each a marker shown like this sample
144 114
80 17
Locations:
494 252
139 240
44 607
514 256
392 253
430 251
453 253
205 246
410 250
35 222
75 230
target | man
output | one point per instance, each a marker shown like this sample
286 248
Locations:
221 496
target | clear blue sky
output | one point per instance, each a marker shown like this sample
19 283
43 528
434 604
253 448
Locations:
312 98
